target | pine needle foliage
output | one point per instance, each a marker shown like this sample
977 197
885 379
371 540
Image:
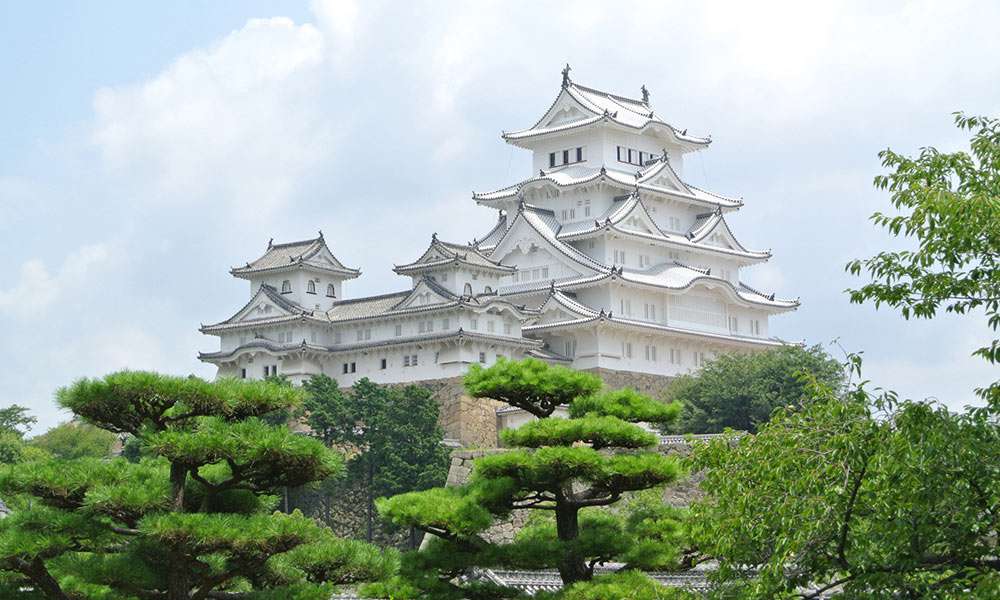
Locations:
566 471
192 519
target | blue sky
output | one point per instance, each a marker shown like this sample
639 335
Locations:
148 147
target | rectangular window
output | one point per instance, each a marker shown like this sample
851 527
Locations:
627 349
354 367
413 359
569 348
619 154
734 324
399 330
474 324
445 323
406 360
579 154
506 328
545 272
336 337
631 153
564 214
346 366
572 213
482 357
243 373
552 159
489 326
565 157
586 208
383 364
360 334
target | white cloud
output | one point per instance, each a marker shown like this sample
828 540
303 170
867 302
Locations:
237 123
37 289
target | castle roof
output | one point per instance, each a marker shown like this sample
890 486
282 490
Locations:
310 254
656 177
626 210
458 335
578 106
583 315
441 254
285 311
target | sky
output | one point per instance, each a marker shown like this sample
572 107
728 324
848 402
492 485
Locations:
146 148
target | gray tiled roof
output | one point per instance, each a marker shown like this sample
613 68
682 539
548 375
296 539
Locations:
627 112
304 252
532 582
443 253
359 308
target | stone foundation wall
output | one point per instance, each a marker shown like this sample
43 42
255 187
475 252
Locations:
472 422
645 383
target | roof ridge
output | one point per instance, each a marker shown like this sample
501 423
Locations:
608 94
364 298
300 242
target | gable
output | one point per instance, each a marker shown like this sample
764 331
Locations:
524 238
422 295
566 113
260 307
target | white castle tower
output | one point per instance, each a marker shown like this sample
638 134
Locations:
632 269
604 260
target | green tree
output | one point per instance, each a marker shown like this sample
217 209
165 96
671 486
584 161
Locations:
856 496
15 419
194 521
562 468
75 440
949 205
740 391
391 435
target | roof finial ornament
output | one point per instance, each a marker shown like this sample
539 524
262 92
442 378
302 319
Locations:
541 172
565 75
270 243
552 286
685 132
604 170
320 233
666 157
645 94
434 237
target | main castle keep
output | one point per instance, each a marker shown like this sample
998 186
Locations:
603 259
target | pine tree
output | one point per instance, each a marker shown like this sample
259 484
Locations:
564 469
193 521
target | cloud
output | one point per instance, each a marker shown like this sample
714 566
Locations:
236 123
36 289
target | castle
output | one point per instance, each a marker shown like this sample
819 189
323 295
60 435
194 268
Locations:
603 259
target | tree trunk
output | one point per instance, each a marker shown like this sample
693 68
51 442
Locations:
572 567
178 577
178 477
43 580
